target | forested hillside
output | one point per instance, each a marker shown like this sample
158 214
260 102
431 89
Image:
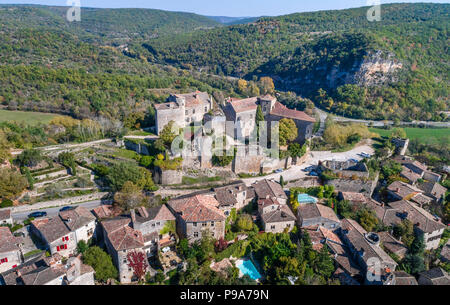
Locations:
48 64
393 69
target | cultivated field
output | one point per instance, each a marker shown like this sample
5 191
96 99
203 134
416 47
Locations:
425 135
32 118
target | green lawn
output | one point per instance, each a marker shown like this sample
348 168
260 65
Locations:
32 118
426 135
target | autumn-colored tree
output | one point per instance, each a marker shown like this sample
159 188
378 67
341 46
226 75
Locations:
267 85
129 197
242 86
288 131
138 262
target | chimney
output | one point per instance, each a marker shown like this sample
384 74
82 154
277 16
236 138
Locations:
133 215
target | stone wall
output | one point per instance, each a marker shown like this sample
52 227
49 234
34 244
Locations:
365 187
140 148
168 177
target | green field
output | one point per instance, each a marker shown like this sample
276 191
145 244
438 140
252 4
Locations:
425 135
32 118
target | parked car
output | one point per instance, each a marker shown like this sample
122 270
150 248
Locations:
353 160
365 155
309 168
37 214
66 209
313 174
279 171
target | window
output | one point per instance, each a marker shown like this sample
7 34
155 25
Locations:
186 112
158 223
206 109
288 225
272 227
4 260
212 223
153 225
204 224
193 111
194 224
195 234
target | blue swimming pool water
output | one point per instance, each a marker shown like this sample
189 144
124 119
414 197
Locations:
305 198
249 269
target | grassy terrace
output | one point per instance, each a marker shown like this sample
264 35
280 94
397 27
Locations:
32 118
426 135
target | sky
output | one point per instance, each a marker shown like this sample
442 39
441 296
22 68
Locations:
231 8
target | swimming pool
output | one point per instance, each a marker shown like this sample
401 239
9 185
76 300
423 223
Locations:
247 268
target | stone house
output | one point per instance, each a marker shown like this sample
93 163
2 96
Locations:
233 196
275 111
183 109
417 167
265 189
275 217
377 265
150 222
401 145
81 222
317 215
422 220
436 276
432 177
10 250
399 190
56 235
5 217
62 234
197 215
354 198
411 176
392 245
243 112
50 271
120 240
433 190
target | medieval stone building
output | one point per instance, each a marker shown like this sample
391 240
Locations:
183 109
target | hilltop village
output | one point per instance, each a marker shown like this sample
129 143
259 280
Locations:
131 211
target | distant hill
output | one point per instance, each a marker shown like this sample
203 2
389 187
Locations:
120 24
397 68
233 20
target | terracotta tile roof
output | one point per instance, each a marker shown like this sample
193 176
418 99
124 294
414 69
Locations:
77 218
356 235
404 190
226 195
314 210
165 106
104 211
421 199
353 197
282 111
248 104
437 276
433 189
121 235
268 189
282 214
195 99
410 175
7 241
51 228
319 235
416 215
5 214
404 279
267 202
198 208
156 213
391 244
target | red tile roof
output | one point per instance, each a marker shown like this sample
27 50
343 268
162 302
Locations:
121 235
198 208
247 104
282 111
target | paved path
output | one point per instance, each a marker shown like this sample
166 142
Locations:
21 216
295 172
382 123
